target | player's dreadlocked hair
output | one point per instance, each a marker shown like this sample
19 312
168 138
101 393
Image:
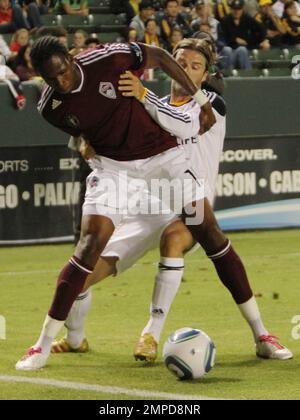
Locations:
44 48
199 45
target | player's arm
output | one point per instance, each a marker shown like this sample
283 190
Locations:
180 124
157 57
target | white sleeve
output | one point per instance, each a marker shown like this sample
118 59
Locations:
181 124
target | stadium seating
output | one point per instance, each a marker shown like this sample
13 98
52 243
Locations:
108 22
100 7
73 23
109 37
7 38
51 20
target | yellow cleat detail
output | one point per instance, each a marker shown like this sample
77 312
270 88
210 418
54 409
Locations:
62 346
146 348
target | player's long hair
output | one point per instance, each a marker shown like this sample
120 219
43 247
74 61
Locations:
44 48
199 45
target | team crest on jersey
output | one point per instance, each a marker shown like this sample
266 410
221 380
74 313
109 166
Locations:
72 121
106 89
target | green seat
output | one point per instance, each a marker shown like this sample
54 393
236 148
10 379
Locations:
74 23
50 20
247 73
284 72
7 38
99 10
271 54
109 19
99 6
109 37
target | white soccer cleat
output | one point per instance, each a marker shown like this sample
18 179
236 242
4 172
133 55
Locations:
268 347
34 359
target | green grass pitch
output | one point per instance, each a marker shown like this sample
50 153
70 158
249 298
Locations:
120 310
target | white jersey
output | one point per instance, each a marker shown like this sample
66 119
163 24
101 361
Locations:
204 151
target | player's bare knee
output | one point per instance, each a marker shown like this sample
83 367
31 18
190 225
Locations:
89 247
172 244
210 235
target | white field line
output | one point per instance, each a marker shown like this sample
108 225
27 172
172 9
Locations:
34 272
78 386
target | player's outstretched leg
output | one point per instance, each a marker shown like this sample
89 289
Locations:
174 241
96 231
232 273
75 340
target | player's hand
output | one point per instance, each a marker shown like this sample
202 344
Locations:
241 41
207 118
86 150
131 86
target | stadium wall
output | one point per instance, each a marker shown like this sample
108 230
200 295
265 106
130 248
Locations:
258 185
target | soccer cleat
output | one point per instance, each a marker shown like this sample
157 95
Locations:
62 346
146 348
34 359
268 347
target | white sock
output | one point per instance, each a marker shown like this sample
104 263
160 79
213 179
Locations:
251 313
50 330
76 319
167 283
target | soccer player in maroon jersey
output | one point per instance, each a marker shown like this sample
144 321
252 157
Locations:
82 99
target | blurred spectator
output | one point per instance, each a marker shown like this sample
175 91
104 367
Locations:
24 68
92 42
11 79
131 35
278 7
43 6
222 9
175 37
271 22
79 39
214 81
4 49
173 18
72 7
32 12
11 18
291 22
251 7
203 11
20 39
240 32
151 34
146 11
135 6
120 6
58 31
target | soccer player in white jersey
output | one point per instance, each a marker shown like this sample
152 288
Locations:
175 239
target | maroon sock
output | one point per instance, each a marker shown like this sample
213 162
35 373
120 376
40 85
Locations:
232 273
70 283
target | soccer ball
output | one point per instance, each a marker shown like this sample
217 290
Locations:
189 353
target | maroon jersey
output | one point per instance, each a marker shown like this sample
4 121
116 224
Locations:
117 127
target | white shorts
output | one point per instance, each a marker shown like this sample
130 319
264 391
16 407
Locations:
117 189
136 236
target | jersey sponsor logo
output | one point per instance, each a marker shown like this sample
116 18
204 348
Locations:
55 104
106 89
72 121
